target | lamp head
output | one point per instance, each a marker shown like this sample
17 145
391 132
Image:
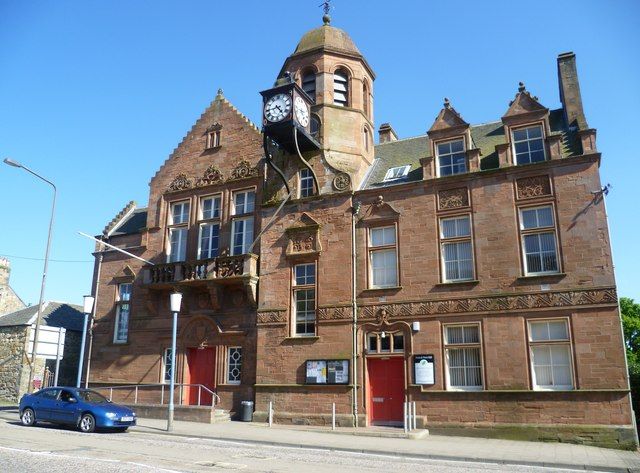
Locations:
11 162
175 300
87 306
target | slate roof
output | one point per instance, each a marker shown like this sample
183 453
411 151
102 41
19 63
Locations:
134 223
409 151
55 314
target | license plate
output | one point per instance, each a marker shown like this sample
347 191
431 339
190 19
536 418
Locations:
126 419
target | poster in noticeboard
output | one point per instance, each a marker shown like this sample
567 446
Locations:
423 369
327 372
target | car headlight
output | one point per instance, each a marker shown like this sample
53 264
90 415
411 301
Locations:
111 415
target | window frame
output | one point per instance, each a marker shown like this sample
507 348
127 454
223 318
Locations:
119 302
568 342
371 249
203 222
213 139
523 232
340 72
295 288
442 241
180 226
404 172
305 74
457 346
542 138
242 217
392 336
464 153
227 377
305 191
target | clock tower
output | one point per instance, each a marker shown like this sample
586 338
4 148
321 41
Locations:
329 68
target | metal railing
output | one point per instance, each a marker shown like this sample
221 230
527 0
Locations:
136 388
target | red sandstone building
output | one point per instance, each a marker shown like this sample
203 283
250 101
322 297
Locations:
468 269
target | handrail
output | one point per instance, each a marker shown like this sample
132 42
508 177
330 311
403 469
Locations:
215 399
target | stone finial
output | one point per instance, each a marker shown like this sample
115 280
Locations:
220 92
326 19
521 87
326 7
447 104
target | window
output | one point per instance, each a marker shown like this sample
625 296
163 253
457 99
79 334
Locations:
306 182
213 139
383 257
123 310
242 227
463 356
528 145
385 342
304 299
167 367
178 229
550 349
365 138
309 84
365 98
538 233
341 88
455 248
234 365
451 158
209 234
397 173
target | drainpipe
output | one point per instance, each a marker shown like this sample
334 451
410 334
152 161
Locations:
355 210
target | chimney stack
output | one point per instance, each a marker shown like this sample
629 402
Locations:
386 134
570 91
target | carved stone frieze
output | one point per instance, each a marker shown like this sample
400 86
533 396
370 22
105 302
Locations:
272 317
536 186
181 182
212 175
230 266
243 170
334 313
342 181
453 198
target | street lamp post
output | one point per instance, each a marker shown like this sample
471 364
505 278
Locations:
16 164
87 308
175 302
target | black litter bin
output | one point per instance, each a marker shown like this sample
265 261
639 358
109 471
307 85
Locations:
247 411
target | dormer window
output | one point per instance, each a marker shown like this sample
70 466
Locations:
213 136
528 145
397 172
309 84
341 88
451 158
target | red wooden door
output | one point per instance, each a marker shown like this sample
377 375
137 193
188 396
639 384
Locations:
386 390
201 363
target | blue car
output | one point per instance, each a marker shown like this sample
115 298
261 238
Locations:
82 408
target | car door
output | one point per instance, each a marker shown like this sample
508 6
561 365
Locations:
65 407
45 403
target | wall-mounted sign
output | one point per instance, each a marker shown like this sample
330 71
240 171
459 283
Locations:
327 372
424 369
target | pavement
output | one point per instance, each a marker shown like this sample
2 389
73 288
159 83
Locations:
386 441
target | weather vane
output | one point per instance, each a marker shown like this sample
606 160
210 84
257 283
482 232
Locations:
326 7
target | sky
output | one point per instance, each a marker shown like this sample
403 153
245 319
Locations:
94 96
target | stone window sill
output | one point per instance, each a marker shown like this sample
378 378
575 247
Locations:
458 283
301 338
382 289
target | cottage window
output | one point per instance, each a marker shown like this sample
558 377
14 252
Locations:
537 229
455 248
242 225
123 310
234 365
178 229
209 234
383 257
528 145
306 182
309 84
550 349
451 158
341 88
463 357
304 299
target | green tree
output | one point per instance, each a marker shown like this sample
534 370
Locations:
630 312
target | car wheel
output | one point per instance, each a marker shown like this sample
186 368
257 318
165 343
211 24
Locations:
28 417
87 423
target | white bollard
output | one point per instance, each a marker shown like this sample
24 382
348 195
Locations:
410 420
270 413
404 408
415 416
333 416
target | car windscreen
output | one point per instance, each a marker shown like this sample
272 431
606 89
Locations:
92 396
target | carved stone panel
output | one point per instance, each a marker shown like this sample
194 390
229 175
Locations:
453 198
243 170
181 182
536 186
212 175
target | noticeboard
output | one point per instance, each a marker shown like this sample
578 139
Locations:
424 369
327 372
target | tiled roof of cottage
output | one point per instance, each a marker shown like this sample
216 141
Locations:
409 151
54 314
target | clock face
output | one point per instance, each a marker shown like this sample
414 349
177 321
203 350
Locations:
277 107
302 111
